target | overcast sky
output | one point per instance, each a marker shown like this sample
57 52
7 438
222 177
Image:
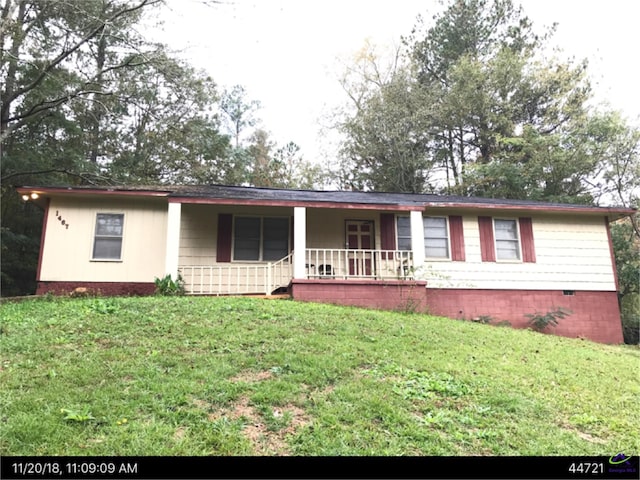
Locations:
284 51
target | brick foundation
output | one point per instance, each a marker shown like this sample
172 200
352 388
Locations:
595 315
383 295
97 288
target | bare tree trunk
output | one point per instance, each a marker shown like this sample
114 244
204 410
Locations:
96 108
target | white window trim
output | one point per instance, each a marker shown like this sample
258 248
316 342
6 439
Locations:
518 240
93 237
261 247
440 259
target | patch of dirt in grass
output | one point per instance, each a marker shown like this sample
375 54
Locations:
201 404
264 440
104 342
584 436
179 433
251 377
590 438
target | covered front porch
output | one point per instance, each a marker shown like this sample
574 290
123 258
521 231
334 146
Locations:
210 248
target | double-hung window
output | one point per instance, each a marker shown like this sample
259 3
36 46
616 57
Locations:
107 239
260 238
403 229
436 237
507 241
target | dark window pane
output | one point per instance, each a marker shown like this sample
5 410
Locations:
404 233
107 243
275 238
109 224
246 245
506 230
107 248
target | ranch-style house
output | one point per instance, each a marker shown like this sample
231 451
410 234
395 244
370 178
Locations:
459 257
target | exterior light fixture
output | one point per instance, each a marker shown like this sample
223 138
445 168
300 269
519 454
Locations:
25 197
34 196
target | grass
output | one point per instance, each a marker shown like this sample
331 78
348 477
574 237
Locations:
241 376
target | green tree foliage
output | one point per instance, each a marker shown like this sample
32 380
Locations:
387 143
469 104
239 112
86 99
626 244
172 128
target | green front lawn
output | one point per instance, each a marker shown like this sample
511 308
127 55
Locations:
243 376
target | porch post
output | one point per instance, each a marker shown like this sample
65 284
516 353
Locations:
300 241
173 239
417 238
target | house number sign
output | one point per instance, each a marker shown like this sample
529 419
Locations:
62 220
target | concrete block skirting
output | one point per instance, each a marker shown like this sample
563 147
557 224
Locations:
595 315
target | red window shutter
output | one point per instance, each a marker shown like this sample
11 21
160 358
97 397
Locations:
223 250
457 238
526 238
487 249
387 231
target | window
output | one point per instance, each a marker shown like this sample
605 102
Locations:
507 243
436 237
404 233
260 238
107 241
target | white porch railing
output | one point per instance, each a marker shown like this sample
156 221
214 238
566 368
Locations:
237 279
346 263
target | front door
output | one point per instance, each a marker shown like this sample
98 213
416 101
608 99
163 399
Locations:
360 238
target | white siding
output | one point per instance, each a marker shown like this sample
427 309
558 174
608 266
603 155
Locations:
326 227
67 251
572 253
199 230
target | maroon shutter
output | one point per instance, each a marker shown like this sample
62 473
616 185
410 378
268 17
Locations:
223 251
387 232
487 248
457 238
526 237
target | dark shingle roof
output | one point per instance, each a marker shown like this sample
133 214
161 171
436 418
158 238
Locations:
291 196
354 197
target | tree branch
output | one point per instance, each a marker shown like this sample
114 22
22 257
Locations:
87 177
66 53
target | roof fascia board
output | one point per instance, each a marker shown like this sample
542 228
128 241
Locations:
534 208
293 203
92 191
